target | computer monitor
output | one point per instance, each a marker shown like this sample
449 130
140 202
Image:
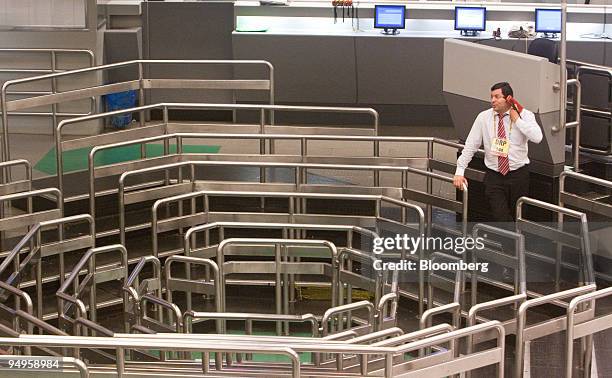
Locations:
390 18
548 21
470 20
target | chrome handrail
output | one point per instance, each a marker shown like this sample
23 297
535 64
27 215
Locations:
73 279
53 53
291 348
165 107
8 187
79 365
545 328
299 167
141 84
586 267
281 299
587 328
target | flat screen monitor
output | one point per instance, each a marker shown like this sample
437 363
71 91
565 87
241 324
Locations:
548 21
470 19
390 18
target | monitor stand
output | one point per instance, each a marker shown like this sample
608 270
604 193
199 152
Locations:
388 31
469 33
550 35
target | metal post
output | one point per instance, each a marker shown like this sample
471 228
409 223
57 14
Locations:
389 365
563 68
207 232
141 101
262 144
5 142
277 287
271 67
376 154
429 208
558 253
120 362
576 145
304 154
249 331
53 90
349 287
166 141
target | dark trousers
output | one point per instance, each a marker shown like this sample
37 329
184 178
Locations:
502 192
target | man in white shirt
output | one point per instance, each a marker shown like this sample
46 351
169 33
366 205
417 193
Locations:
505 131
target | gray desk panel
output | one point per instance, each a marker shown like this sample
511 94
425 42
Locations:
308 69
121 45
400 70
198 30
594 89
608 50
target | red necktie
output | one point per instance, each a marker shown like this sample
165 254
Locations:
503 163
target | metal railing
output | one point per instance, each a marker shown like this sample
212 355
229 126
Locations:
207 286
582 69
190 316
579 329
402 191
248 318
453 285
381 285
165 128
8 186
288 230
24 321
94 276
591 203
280 266
183 321
11 187
296 218
14 220
377 285
296 213
334 318
134 289
515 262
157 131
121 344
292 347
62 363
18 295
53 68
560 237
526 333
38 248
141 83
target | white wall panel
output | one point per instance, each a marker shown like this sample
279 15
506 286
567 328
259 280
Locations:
42 13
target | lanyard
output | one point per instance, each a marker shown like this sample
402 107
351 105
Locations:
495 129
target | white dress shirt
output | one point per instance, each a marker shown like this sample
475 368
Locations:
483 131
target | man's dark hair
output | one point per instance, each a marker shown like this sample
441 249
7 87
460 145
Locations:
505 88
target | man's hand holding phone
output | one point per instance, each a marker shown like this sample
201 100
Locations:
516 108
458 182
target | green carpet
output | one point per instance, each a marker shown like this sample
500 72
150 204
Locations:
76 160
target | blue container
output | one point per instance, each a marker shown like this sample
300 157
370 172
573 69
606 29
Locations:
118 101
